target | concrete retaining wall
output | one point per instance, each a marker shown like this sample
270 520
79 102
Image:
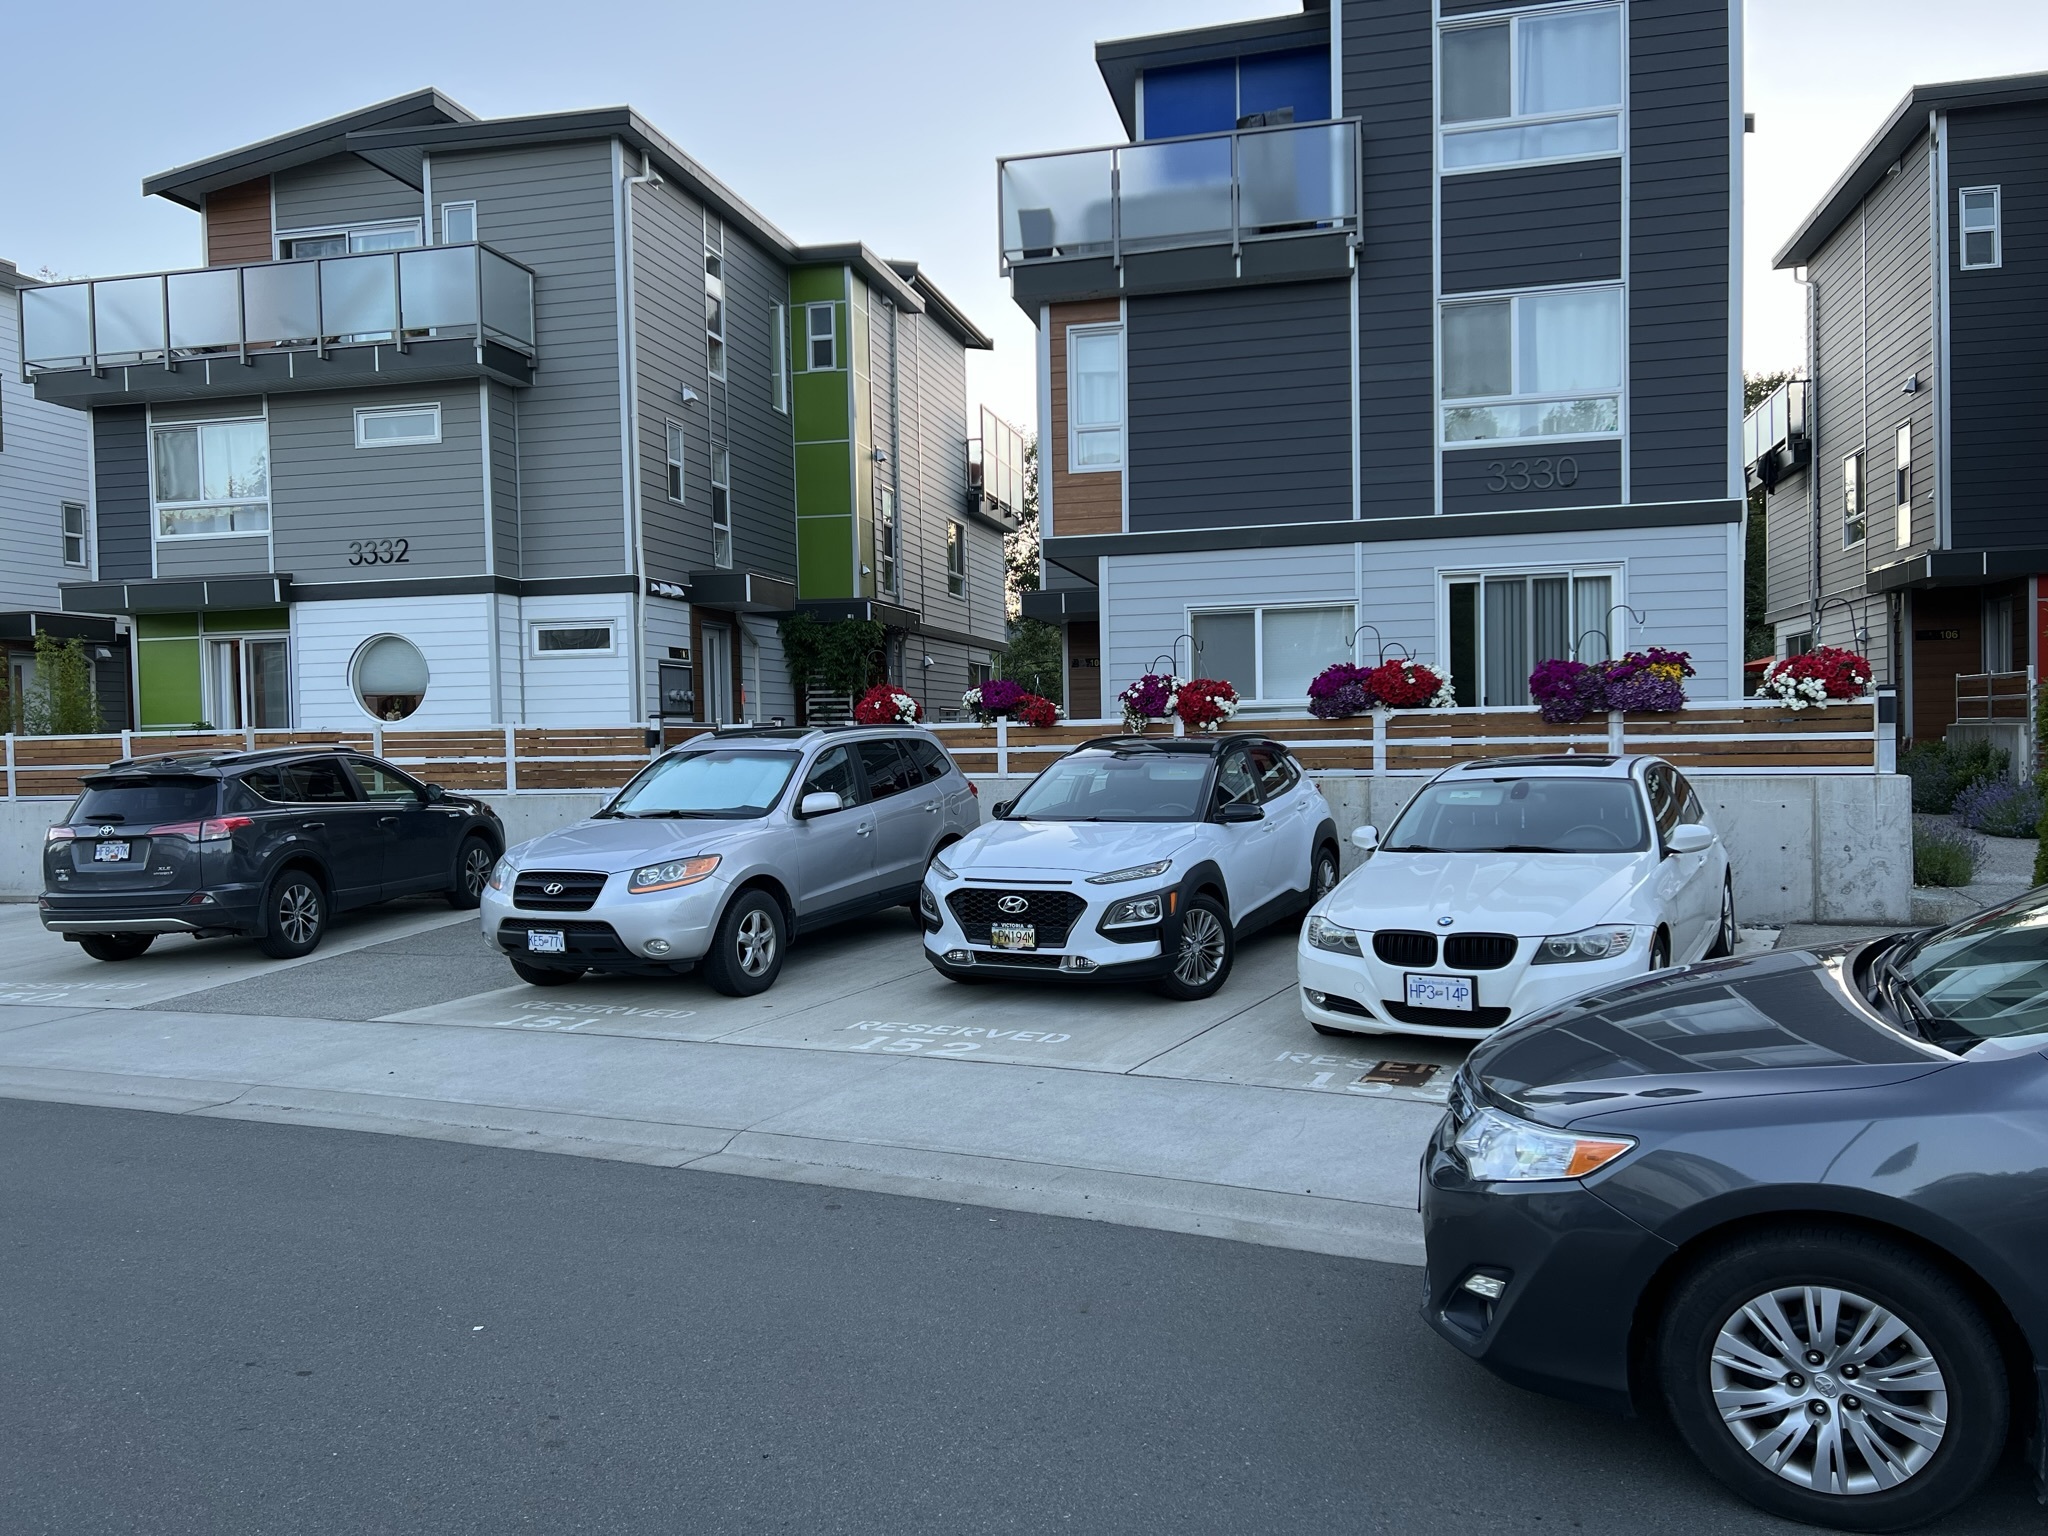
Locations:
1813 848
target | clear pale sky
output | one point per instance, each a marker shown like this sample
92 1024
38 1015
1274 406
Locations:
836 121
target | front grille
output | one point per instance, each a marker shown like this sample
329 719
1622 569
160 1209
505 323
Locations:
1397 947
1053 913
1446 1018
579 890
1004 959
584 941
1479 951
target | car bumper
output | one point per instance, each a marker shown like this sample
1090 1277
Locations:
620 931
223 910
1365 995
1574 1270
1085 954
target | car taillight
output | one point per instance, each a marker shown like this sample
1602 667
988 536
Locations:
215 829
59 835
974 789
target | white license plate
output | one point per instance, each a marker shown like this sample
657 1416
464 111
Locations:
546 941
1013 935
110 853
1454 993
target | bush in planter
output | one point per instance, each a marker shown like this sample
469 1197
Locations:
1941 771
2001 808
1151 697
1566 692
1204 703
1810 680
1943 856
886 704
1411 685
1341 690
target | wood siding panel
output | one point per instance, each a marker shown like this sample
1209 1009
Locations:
1087 503
238 224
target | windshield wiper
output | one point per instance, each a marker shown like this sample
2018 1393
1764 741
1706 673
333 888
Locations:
1902 998
674 815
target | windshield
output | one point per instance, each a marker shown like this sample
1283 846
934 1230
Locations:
1983 979
148 802
1534 815
720 785
1117 786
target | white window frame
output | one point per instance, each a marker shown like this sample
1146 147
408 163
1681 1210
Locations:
1077 429
1516 119
1995 229
956 569
1855 503
778 366
535 628
157 506
210 701
1902 479
714 290
64 512
368 412
474 233
284 237
721 507
811 336
1258 611
673 448
1514 296
1615 573
888 564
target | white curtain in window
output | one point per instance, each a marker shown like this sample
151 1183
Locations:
1592 603
1226 647
1570 62
1571 341
1478 351
1506 661
1299 643
1098 379
235 460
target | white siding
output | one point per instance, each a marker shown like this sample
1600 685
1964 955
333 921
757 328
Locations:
42 464
453 633
580 690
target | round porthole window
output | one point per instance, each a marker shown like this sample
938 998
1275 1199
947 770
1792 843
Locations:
390 677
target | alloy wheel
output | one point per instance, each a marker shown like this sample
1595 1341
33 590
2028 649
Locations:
476 868
1201 948
1324 880
1727 921
755 938
1829 1390
298 912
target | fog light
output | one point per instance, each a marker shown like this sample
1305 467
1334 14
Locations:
657 946
1491 1287
1320 999
1078 964
959 957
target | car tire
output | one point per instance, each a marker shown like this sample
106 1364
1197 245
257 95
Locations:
1203 949
1765 1300
294 915
1724 935
746 953
115 946
1660 952
473 861
1323 873
546 975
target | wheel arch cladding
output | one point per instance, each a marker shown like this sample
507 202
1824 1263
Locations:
762 881
1205 878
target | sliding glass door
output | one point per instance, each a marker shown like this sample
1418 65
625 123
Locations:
1503 626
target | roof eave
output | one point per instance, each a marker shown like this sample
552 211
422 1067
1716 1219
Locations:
1120 59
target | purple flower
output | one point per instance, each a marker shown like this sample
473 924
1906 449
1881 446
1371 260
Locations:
999 695
1640 688
1341 690
1567 691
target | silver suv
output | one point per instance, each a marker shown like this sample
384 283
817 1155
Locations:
718 852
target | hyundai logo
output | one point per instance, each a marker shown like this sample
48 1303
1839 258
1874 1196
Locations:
553 888
1013 904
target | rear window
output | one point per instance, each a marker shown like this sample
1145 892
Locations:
147 802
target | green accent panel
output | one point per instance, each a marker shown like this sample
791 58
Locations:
167 626
167 673
822 484
821 407
233 621
823 555
813 285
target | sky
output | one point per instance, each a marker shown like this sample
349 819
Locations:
836 122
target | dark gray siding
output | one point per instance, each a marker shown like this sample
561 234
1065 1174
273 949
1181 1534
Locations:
1240 407
1788 548
120 446
1387 53
763 452
1998 333
669 340
504 417
1525 228
343 189
1679 214
1527 476
551 206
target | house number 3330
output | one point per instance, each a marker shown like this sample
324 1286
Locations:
378 551
1531 474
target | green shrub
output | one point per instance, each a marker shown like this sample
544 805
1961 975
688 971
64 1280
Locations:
2000 807
61 701
1943 856
1942 770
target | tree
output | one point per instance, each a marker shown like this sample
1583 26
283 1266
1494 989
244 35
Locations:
1034 657
62 700
1020 549
1758 639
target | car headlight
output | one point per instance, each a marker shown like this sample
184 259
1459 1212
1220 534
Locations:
1324 934
1135 912
944 869
666 877
928 906
1498 1148
1602 943
502 872
1135 872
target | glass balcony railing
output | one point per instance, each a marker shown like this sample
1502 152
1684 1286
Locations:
427 293
1213 189
1779 421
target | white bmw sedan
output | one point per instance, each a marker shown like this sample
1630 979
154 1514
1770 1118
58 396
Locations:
1510 884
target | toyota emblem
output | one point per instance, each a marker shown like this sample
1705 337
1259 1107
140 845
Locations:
1013 905
553 888
107 831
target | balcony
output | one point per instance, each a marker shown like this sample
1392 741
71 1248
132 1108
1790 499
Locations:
432 313
995 473
1774 436
1214 210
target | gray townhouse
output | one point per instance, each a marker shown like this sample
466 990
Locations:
45 531
1394 324
467 421
1903 506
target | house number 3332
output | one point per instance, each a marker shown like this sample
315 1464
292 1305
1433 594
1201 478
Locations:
378 551
1531 474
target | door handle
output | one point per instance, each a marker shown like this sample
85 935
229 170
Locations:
932 809
387 821
312 826
864 829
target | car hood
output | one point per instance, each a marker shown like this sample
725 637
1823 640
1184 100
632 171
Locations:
1785 1022
1026 848
625 843
1527 894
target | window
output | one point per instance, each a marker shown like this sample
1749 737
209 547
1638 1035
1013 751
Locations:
930 758
1541 364
1276 771
247 683
721 508
211 478
389 676
714 297
1998 647
821 337
458 223
778 358
1852 500
832 774
885 545
1532 87
1271 653
395 235
587 639
1095 397
956 559
71 515
1502 626
397 426
318 782
888 773
380 782
1236 783
675 461
1902 480
1982 244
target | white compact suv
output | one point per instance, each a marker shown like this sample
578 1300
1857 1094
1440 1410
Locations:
1133 858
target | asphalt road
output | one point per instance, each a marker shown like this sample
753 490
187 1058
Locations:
217 1326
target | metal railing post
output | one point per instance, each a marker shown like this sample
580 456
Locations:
163 288
1116 209
511 761
92 331
1379 743
1002 747
1236 234
1617 738
10 766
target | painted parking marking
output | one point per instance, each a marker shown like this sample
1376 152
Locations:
573 1016
60 992
1377 1079
899 1037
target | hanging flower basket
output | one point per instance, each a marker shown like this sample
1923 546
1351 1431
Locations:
1204 703
1649 681
1410 685
1811 680
1341 691
995 699
886 704
1565 692
1150 698
1038 712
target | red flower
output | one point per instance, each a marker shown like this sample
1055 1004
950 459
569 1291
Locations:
1404 684
1037 712
1205 703
886 704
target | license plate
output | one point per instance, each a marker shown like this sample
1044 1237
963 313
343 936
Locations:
1454 993
1013 935
546 941
109 853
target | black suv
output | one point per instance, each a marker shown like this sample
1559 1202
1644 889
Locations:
265 844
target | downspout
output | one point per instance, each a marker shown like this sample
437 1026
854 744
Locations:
1813 402
629 363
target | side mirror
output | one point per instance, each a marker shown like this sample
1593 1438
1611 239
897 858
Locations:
1238 811
1000 809
434 794
820 802
1690 837
1365 839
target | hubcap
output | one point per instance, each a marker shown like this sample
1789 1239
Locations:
1201 948
476 869
756 943
298 912
1829 1390
1326 876
1728 919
